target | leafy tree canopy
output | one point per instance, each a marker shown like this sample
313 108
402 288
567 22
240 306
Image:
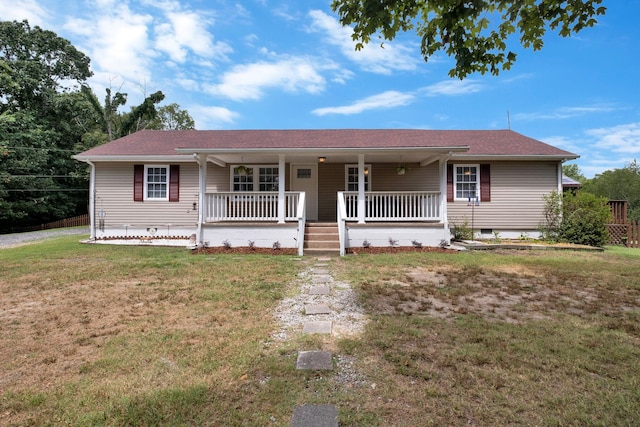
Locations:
619 184
34 63
474 32
171 117
573 171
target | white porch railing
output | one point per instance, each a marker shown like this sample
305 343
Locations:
393 205
249 206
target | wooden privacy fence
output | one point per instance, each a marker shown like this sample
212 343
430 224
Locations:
76 221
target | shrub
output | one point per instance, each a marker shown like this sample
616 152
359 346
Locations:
462 231
552 212
584 219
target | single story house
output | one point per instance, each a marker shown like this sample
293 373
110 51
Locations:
264 188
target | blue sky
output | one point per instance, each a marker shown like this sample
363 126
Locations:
281 64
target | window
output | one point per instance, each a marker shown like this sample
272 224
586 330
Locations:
156 182
268 178
352 177
243 178
467 181
156 186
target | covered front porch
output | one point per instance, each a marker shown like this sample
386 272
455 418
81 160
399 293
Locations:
364 194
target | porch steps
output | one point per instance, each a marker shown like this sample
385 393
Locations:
321 238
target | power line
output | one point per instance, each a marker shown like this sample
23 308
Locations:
38 148
45 189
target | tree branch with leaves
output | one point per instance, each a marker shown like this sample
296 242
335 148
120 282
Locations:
475 33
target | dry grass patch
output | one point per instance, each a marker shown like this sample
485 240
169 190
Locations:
504 338
104 335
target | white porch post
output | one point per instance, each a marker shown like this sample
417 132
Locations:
282 214
361 185
444 216
202 189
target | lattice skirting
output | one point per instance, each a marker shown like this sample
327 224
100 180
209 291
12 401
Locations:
617 234
624 234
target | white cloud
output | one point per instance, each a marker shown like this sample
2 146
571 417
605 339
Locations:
602 149
117 41
624 139
452 88
249 81
187 31
389 99
209 117
564 112
25 9
373 58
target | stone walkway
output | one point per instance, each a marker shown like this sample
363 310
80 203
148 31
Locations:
325 307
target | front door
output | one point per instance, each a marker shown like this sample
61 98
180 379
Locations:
305 178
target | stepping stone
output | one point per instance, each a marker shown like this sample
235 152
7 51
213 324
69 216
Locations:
319 290
321 271
314 360
321 279
311 309
317 327
315 416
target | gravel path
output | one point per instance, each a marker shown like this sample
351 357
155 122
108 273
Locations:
9 240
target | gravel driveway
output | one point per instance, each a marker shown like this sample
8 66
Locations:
8 240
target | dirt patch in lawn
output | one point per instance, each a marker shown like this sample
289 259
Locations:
506 293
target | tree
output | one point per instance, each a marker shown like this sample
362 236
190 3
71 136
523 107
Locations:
171 117
619 184
573 171
42 117
116 124
33 65
474 32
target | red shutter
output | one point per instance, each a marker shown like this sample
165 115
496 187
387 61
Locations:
449 183
174 183
485 183
138 183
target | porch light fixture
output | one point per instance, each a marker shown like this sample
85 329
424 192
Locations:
366 171
322 159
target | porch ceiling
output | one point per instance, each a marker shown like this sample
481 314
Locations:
413 155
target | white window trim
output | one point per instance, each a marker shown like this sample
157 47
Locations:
346 175
256 176
455 180
146 186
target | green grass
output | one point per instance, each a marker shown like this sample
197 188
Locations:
101 335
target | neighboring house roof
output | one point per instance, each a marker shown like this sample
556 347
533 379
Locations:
466 143
570 182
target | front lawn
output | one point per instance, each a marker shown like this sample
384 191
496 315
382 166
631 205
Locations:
107 335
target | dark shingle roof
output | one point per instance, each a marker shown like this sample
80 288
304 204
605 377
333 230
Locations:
480 142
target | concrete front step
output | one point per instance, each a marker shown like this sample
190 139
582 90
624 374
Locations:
321 239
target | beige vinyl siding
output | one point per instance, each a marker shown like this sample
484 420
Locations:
517 190
218 178
383 178
114 196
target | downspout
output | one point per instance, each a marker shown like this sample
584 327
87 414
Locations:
92 200
560 189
